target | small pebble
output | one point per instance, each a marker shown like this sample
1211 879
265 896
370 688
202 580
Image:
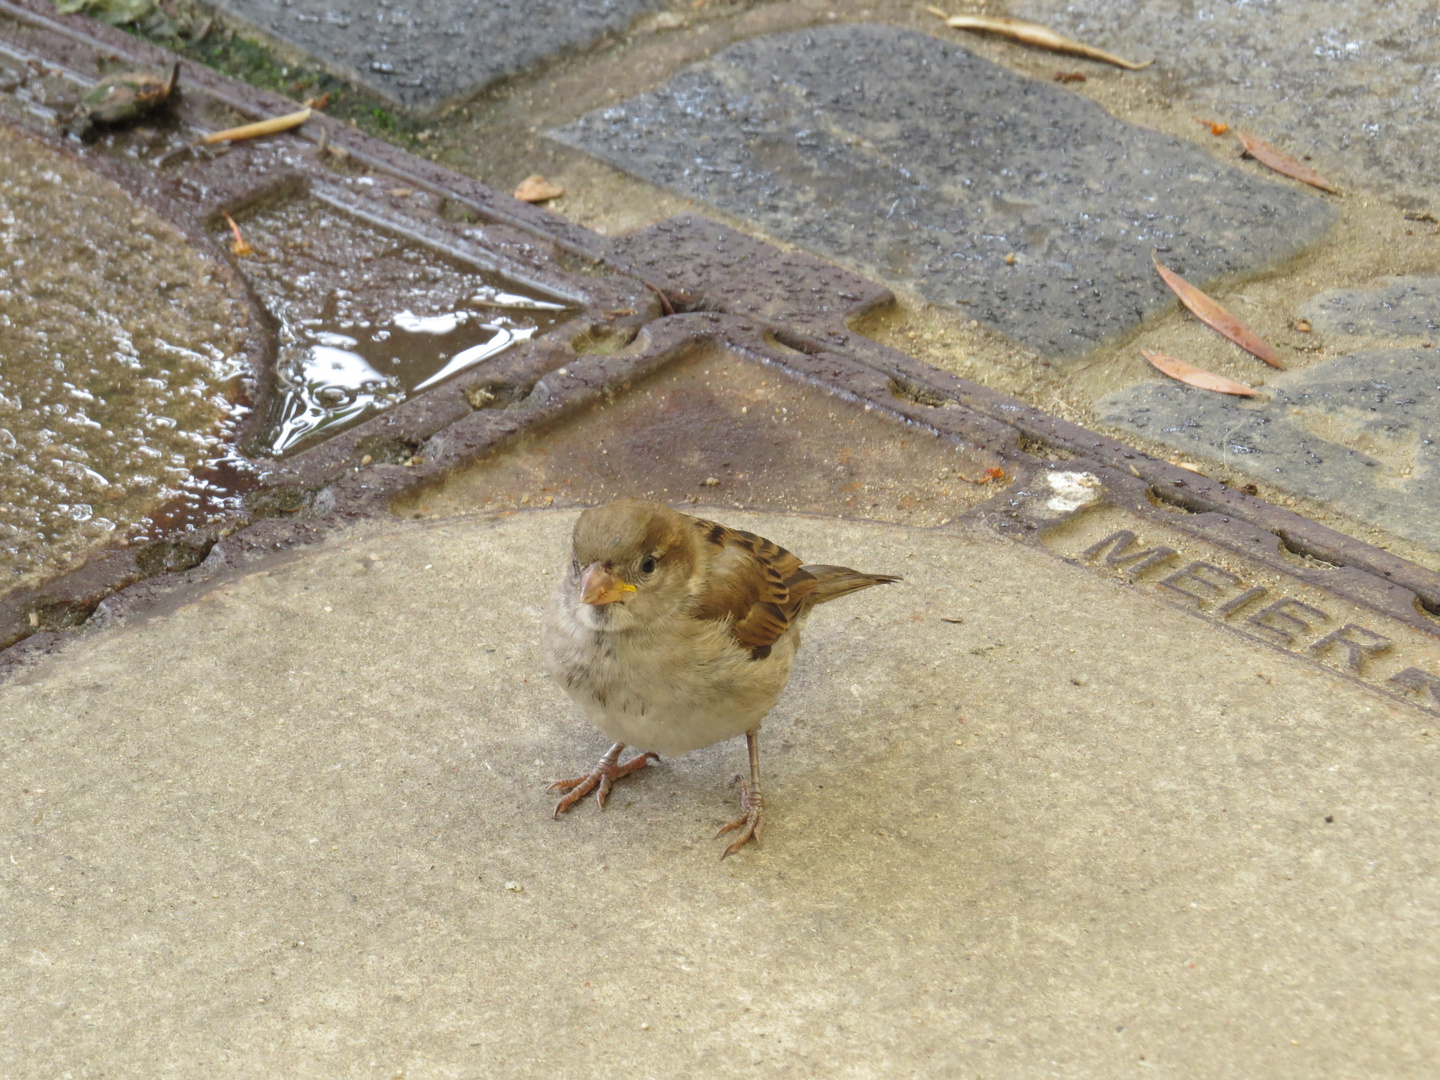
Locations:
1010 259
710 481
514 886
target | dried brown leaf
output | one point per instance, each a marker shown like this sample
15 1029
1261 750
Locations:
263 127
1194 376
1217 318
537 189
1268 156
1028 33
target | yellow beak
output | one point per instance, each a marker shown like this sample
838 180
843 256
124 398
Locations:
599 586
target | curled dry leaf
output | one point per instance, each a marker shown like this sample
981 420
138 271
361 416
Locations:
1268 156
262 127
1217 318
1028 33
1194 376
537 189
1217 127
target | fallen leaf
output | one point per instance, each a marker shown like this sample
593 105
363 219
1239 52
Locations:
318 103
1268 156
1028 33
261 127
993 473
1188 466
1194 376
1069 76
537 189
1217 318
1217 127
241 247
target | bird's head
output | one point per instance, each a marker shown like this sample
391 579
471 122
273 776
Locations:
632 562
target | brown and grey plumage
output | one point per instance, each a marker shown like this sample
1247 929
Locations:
672 633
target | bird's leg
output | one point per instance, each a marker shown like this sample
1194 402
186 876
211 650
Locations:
751 823
600 779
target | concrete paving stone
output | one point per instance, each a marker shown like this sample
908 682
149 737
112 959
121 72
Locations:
425 53
1358 432
1405 310
273 831
919 163
1357 85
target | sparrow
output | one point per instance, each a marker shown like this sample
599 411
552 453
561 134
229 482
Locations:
672 633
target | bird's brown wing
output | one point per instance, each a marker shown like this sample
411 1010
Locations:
754 583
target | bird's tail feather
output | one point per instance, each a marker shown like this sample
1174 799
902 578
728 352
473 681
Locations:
832 582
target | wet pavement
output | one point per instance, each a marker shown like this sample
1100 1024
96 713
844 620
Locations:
927 167
1359 431
1353 85
1132 773
123 358
429 53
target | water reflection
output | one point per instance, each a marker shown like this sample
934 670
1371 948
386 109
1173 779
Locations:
367 318
333 387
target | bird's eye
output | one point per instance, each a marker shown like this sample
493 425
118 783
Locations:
647 565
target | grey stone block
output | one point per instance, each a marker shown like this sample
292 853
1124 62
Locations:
430 51
1406 310
1358 432
1356 84
918 162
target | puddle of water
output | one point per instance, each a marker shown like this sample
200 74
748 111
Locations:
120 366
367 317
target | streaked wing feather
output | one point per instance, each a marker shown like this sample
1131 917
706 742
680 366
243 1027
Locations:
755 583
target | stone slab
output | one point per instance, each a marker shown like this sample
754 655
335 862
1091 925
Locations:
1404 310
1357 85
1358 433
272 831
919 163
425 53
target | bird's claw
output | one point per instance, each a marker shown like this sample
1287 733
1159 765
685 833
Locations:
598 780
751 823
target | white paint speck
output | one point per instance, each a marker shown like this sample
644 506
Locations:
1072 491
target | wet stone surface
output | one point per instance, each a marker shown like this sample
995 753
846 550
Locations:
919 163
1359 433
426 53
367 317
1355 84
1404 310
713 427
121 357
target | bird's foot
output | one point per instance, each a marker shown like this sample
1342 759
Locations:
598 780
751 823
